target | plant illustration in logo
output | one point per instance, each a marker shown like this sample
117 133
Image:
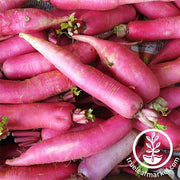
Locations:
153 149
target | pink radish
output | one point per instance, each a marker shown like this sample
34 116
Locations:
75 145
97 22
167 73
98 165
157 9
37 88
39 115
172 96
125 66
94 5
161 28
55 171
27 20
2 38
15 46
7 4
107 89
29 65
169 52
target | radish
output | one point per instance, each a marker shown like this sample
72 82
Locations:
167 73
75 145
86 77
2 38
29 65
37 88
7 4
98 165
29 20
15 46
172 96
54 171
161 28
157 9
39 115
125 66
97 22
169 52
94 5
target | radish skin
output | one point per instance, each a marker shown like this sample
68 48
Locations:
174 116
177 3
29 65
97 22
157 29
107 90
167 73
16 46
75 145
41 87
172 96
38 115
169 52
7 4
98 165
55 171
125 66
93 5
157 9
28 20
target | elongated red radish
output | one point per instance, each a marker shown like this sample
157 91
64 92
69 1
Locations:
54 171
2 38
37 88
75 145
172 96
125 66
16 46
49 133
167 73
107 89
169 52
38 115
161 28
97 22
7 4
29 65
98 165
93 5
172 131
174 116
157 9
29 20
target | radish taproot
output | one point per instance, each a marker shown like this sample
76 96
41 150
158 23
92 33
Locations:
41 87
125 66
157 29
29 20
75 145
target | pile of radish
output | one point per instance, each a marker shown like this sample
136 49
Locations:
74 94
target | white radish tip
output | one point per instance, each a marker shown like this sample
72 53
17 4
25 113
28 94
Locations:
21 35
